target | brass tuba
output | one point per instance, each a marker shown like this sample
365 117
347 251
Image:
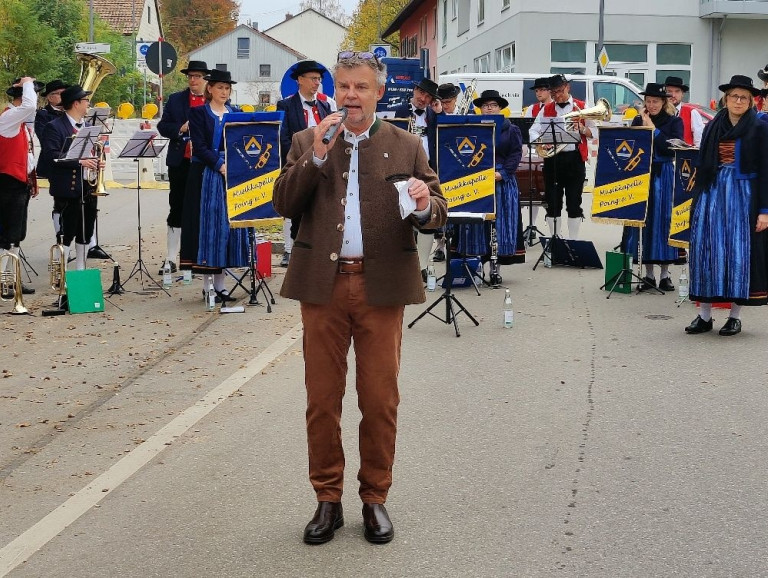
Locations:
465 101
94 69
601 111
10 280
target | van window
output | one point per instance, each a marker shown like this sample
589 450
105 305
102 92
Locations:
578 90
620 97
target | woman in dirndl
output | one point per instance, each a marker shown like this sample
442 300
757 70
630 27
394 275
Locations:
729 215
476 239
215 246
660 115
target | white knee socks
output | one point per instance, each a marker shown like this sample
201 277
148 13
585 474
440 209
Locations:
173 243
81 252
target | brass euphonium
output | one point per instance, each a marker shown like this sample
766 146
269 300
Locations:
94 69
10 280
601 111
57 266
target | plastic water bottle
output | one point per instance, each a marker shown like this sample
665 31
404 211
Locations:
548 256
186 277
509 313
167 279
210 295
682 285
431 278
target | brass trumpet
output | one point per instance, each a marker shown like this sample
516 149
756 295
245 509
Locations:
10 280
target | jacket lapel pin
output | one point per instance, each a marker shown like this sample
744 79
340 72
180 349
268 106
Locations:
386 155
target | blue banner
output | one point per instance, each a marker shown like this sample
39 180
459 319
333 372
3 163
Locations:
622 176
252 156
685 181
466 162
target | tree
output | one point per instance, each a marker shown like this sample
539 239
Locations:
329 8
189 24
369 20
27 47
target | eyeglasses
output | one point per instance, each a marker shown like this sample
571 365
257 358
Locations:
490 104
198 76
347 54
313 78
739 97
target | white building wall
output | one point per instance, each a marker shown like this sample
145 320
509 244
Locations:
311 34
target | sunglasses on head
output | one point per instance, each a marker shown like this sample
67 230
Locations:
347 54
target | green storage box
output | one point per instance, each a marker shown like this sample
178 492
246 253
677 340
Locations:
84 291
614 263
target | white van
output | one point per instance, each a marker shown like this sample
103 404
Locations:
621 93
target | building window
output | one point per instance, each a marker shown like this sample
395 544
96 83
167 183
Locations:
444 27
483 63
627 52
505 58
265 98
454 9
423 29
568 69
661 75
243 47
149 16
221 67
462 24
504 4
480 12
409 47
673 54
564 51
265 70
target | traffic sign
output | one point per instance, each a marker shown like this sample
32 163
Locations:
93 48
141 54
168 55
603 60
381 50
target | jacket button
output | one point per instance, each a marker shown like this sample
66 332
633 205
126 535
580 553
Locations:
344 201
348 150
339 227
334 257
345 175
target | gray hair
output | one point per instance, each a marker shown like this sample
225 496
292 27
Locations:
355 61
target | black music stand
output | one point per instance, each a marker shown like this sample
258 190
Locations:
531 231
254 274
448 296
142 145
98 116
555 134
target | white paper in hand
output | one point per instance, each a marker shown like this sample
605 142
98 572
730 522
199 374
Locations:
407 204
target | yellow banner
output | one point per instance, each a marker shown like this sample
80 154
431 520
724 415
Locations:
681 218
254 193
620 194
469 188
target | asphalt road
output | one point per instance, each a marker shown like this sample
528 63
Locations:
594 438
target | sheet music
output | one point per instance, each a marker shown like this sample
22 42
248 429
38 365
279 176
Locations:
561 135
466 215
82 142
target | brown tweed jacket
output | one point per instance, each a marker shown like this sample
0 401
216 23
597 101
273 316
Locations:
392 275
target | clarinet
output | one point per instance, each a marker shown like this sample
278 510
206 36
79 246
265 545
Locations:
495 275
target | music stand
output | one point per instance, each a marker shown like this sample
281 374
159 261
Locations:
142 145
254 274
448 296
531 231
555 134
98 116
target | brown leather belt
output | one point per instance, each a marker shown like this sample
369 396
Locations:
350 265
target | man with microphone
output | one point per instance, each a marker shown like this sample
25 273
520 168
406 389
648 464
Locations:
354 268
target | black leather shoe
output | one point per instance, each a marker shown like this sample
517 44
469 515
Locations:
173 268
378 526
223 297
666 284
698 325
97 253
27 290
424 275
328 518
731 327
439 256
285 260
648 284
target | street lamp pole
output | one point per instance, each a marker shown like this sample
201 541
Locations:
600 35
90 21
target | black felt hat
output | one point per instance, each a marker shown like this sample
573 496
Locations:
53 85
448 90
655 89
542 82
763 74
196 66
676 82
557 81
740 81
72 94
428 86
17 91
493 95
217 75
305 66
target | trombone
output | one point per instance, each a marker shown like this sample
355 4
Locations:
10 281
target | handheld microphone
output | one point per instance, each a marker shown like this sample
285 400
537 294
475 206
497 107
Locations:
331 132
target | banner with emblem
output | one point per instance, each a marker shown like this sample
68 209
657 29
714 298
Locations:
682 196
252 156
622 176
466 162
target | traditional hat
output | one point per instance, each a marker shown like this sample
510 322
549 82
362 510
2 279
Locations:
740 81
17 91
428 86
655 89
73 93
304 66
217 75
493 95
542 82
196 66
448 90
557 81
763 74
53 85
676 82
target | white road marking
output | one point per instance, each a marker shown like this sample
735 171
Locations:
25 545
